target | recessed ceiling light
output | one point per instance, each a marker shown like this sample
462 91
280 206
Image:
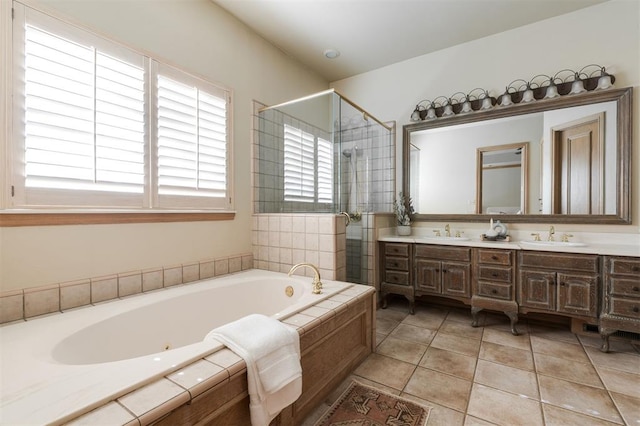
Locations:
331 53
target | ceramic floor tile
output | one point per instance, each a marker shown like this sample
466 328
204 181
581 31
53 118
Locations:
387 371
385 325
474 421
412 333
461 329
568 370
620 381
506 355
426 319
439 414
629 407
440 388
390 314
457 344
560 349
623 361
579 398
403 350
460 315
555 416
552 333
497 406
501 322
459 365
508 379
505 338
615 345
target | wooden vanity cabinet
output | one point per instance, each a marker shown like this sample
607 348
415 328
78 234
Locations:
443 271
494 283
396 271
559 283
621 297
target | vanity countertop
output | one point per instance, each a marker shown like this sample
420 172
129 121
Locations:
628 245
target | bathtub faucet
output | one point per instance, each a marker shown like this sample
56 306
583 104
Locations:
317 284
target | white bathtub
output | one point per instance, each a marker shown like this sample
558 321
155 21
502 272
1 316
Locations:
54 367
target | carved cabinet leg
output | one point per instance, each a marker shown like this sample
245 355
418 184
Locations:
412 305
513 316
605 333
383 300
474 314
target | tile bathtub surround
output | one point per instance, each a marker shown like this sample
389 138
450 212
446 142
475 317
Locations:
485 375
26 303
283 240
155 400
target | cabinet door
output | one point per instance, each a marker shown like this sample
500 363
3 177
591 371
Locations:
577 294
537 289
428 276
456 279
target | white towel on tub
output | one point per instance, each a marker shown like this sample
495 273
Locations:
271 351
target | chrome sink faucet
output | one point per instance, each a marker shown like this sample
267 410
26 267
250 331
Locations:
316 284
552 231
447 230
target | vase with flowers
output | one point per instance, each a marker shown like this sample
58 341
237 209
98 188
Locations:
403 210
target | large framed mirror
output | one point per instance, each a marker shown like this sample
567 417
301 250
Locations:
560 160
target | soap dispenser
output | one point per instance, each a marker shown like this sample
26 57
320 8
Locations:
491 233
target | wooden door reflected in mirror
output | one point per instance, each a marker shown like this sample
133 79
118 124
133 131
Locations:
502 179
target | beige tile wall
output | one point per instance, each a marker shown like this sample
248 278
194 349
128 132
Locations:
22 304
283 240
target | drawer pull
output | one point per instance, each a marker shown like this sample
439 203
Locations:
494 291
636 269
635 309
562 283
636 288
494 257
444 271
495 274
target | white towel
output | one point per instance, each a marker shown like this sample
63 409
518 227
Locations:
271 351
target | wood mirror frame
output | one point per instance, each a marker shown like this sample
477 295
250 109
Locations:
623 100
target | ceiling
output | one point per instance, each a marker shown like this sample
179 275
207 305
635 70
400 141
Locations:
371 34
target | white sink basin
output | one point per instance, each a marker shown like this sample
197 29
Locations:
553 243
445 238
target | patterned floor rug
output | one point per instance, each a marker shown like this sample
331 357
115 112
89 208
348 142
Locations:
362 405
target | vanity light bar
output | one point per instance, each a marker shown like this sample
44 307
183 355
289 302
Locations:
541 86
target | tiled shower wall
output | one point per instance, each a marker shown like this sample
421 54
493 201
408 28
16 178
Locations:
283 240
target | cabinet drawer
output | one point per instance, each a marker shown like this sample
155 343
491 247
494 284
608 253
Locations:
625 266
625 286
494 274
443 252
397 277
396 249
396 263
625 307
559 261
494 257
494 290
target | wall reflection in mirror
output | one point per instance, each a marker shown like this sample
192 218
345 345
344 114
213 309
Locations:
565 161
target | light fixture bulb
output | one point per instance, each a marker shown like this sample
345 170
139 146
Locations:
486 103
527 96
604 82
577 86
466 106
415 115
505 99
448 111
431 113
552 91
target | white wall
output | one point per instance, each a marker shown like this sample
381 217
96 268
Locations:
607 34
202 38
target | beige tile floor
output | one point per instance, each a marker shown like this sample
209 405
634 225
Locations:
485 375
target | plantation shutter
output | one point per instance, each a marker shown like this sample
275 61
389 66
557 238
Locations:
192 139
299 165
325 171
84 121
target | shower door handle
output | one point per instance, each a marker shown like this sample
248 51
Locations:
348 218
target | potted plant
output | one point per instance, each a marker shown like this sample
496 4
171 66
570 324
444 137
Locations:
403 209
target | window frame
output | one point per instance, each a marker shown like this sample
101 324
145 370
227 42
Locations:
15 209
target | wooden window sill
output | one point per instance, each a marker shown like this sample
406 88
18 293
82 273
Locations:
100 218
